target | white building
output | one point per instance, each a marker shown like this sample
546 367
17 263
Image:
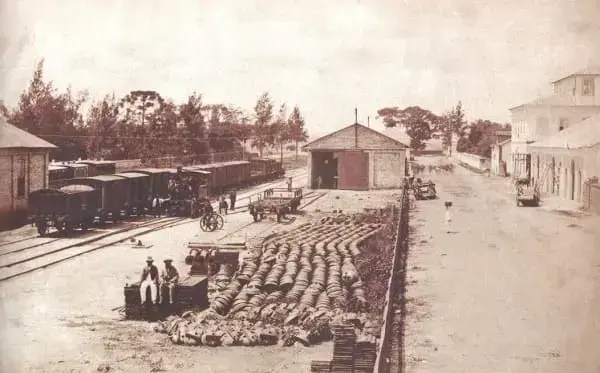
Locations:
576 98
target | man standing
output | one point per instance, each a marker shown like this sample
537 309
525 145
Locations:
222 205
149 279
170 278
232 197
156 206
289 184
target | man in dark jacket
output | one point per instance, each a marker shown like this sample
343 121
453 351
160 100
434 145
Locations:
232 197
149 279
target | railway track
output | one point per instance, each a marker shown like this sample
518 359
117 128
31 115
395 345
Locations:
20 260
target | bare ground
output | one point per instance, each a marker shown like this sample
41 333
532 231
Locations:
511 289
60 319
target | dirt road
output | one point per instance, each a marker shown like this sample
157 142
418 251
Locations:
511 289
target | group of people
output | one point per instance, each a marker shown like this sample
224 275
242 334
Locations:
150 278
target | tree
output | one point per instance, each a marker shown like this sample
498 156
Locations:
263 112
135 111
453 123
194 126
296 130
51 115
101 124
482 134
418 122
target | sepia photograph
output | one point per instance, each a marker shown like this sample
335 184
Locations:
341 186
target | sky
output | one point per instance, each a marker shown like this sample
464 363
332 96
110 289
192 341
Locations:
327 57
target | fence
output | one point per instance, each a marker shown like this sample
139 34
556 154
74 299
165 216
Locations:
395 290
590 198
472 161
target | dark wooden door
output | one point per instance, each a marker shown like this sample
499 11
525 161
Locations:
353 170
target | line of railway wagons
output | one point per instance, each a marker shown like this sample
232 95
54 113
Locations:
83 193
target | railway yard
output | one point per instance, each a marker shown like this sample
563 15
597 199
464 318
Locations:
464 295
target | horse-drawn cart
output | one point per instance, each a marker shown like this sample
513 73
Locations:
279 201
527 194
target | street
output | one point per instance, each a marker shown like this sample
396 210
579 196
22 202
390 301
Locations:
510 289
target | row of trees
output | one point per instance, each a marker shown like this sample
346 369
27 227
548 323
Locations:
144 124
422 125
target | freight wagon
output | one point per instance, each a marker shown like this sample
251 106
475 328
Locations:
159 181
138 193
113 192
96 168
72 206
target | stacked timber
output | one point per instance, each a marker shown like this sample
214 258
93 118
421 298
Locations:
344 339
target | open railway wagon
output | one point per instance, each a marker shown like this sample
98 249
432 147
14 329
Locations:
278 201
424 190
113 193
528 193
67 208
205 260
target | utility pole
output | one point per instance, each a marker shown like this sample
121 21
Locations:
355 115
369 121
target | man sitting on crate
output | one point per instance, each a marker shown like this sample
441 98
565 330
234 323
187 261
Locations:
149 279
170 278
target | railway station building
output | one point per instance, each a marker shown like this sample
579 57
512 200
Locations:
24 160
356 157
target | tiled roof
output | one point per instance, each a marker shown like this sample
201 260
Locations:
14 137
581 135
397 133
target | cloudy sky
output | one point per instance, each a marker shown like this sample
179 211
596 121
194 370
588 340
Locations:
325 56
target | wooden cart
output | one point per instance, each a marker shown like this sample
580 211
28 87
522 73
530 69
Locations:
279 201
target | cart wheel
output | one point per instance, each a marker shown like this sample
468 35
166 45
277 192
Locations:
42 228
203 224
219 219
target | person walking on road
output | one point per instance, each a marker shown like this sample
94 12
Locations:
170 278
448 217
149 279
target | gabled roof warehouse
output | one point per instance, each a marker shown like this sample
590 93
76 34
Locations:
356 158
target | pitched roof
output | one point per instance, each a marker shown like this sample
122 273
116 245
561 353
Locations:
554 100
581 135
13 137
590 70
385 142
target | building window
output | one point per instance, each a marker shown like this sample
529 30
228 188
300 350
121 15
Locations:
587 88
564 123
21 179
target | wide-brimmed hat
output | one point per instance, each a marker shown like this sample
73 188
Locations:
149 259
168 260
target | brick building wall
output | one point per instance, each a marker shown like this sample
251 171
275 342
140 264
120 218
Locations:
23 171
386 156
